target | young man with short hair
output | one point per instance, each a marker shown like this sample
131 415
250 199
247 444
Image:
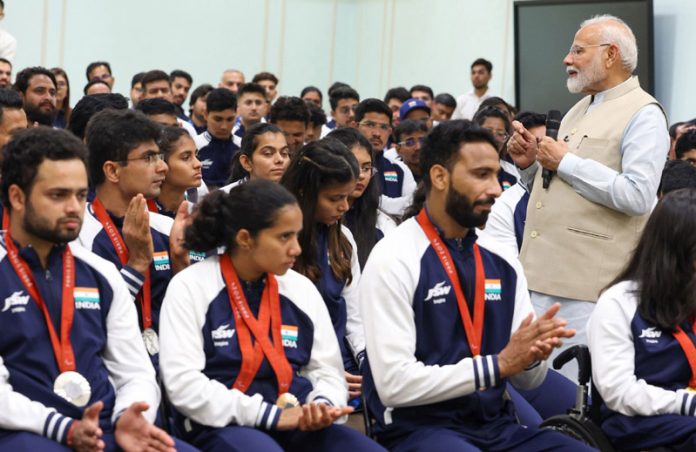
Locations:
395 98
159 110
216 148
156 84
437 368
416 110
317 119
468 103
269 83
37 86
197 107
95 388
136 90
100 70
443 107
251 103
96 86
5 73
126 168
422 92
291 115
180 82
343 101
12 116
409 138
397 184
685 147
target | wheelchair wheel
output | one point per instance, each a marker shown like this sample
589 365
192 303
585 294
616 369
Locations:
584 431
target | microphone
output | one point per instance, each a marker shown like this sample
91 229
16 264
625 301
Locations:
553 123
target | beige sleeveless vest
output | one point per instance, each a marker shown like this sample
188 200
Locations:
574 247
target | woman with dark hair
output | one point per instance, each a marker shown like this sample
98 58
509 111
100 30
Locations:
248 355
183 178
312 94
642 334
498 124
364 218
62 98
323 176
264 155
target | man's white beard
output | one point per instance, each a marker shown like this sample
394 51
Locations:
586 77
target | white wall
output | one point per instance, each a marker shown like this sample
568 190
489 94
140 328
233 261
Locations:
370 44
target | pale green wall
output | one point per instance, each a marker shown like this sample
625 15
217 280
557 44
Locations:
371 44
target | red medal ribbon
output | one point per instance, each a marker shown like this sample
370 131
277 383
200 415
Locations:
152 206
62 348
473 329
5 220
144 296
689 350
247 325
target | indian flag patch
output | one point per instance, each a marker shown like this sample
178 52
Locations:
391 176
506 185
492 290
288 334
161 260
86 298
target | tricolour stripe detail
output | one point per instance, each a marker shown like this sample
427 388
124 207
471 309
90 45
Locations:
53 413
62 431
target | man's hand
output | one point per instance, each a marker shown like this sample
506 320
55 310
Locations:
86 436
354 385
311 417
135 433
522 146
178 252
137 236
551 152
533 341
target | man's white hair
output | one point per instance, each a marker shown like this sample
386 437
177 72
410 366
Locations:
616 31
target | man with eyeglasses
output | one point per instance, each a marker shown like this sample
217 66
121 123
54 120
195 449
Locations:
127 168
611 148
374 120
100 70
409 137
343 103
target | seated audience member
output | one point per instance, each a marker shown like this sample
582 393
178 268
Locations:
500 104
676 130
251 103
100 70
437 365
197 110
136 90
181 82
312 94
366 221
264 155
641 335
317 119
286 391
443 107
184 174
215 146
37 86
12 116
291 115
396 181
156 84
96 87
685 148
677 174
395 98
127 168
508 215
322 177
498 124
95 388
416 110
62 98
343 101
5 73
409 136
88 106
160 111
232 79
422 92
269 82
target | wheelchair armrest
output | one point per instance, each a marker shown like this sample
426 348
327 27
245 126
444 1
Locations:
581 353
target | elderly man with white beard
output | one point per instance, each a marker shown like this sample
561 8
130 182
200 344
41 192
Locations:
607 161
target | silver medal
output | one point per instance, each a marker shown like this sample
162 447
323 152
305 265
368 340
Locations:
151 341
73 387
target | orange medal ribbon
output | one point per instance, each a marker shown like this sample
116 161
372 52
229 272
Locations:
689 350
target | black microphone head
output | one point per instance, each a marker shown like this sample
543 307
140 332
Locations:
553 123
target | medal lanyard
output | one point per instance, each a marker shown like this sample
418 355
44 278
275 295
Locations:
5 220
152 206
473 329
145 295
689 350
247 326
62 348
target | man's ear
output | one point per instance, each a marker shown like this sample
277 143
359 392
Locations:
112 171
439 177
17 198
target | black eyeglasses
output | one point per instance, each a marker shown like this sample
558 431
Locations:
410 142
150 158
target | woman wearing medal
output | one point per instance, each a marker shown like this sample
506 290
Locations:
642 335
248 354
